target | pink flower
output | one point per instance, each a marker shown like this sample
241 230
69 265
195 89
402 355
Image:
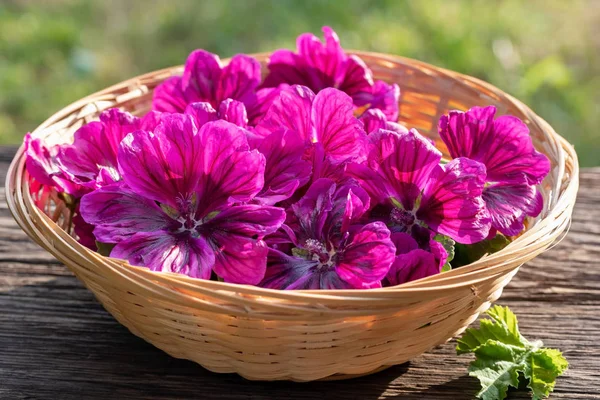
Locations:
374 120
513 165
325 246
324 122
415 260
205 79
320 65
229 110
43 165
91 161
285 169
408 187
180 206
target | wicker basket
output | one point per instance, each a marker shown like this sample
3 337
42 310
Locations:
265 334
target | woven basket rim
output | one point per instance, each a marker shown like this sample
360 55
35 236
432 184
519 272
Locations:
467 275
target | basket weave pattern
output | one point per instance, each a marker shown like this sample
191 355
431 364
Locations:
304 335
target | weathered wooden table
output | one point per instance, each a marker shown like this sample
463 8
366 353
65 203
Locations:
57 342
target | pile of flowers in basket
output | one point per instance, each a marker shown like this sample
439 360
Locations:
303 180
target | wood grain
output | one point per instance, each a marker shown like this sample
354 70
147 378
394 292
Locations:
57 342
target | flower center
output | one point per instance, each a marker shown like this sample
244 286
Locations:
314 250
185 217
402 218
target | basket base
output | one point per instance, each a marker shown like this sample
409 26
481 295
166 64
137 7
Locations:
341 377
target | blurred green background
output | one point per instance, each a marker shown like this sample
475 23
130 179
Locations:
544 52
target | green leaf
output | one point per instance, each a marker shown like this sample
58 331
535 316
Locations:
543 367
502 328
502 353
468 253
448 245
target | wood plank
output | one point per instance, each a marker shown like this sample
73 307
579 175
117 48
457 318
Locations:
57 342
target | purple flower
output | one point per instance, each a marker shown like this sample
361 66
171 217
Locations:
229 110
325 125
43 165
205 79
258 107
326 118
91 161
408 187
285 169
178 207
325 246
513 165
382 97
374 120
320 65
411 262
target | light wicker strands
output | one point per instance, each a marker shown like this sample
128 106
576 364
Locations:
305 335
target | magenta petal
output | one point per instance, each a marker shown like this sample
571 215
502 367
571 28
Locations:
336 127
249 220
411 266
89 153
233 111
313 209
368 256
118 213
149 121
439 252
386 98
509 203
464 133
43 164
351 202
408 159
323 61
291 110
161 251
201 76
117 124
503 145
514 154
230 172
239 259
41 160
356 78
452 203
383 97
380 190
163 165
401 164
239 79
261 102
285 235
92 158
201 113
323 165
284 67
403 242
374 120
169 97
285 169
